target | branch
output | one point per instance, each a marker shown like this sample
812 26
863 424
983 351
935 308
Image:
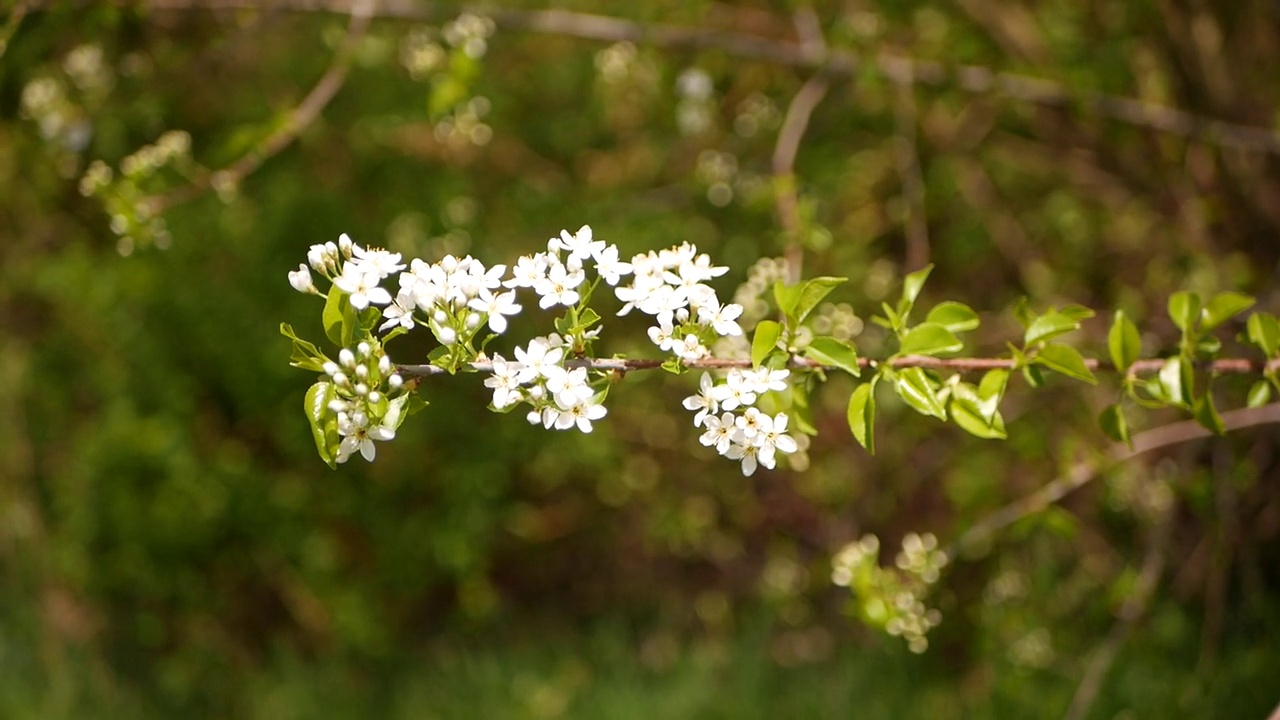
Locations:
794 125
625 365
907 156
362 11
971 78
1086 470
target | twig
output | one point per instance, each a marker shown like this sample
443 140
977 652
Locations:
971 78
362 12
907 156
624 365
1134 607
1087 470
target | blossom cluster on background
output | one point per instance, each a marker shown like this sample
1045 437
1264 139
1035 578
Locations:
459 299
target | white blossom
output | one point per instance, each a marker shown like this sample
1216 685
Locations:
538 359
704 402
301 281
505 382
362 286
559 287
496 307
720 432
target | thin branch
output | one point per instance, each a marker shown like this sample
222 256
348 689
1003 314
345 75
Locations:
971 78
362 12
1134 607
907 155
1087 470
625 365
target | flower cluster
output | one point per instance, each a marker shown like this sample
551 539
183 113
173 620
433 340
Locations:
892 598
368 399
458 298
753 437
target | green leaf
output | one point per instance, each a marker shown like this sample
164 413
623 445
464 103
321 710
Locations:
396 332
913 283
349 323
966 414
765 340
1023 312
1033 376
1184 308
305 355
1264 331
834 352
993 385
1066 360
1259 394
334 308
1114 425
862 415
1207 415
1170 382
915 387
1223 307
929 338
954 316
324 424
417 404
801 410
787 296
674 366
1123 341
811 293
1051 324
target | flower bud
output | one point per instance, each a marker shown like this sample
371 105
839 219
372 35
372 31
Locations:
384 365
473 321
331 368
362 372
361 389
347 358
534 417
440 316
363 349
345 244
375 396
395 381
338 406
341 380
448 335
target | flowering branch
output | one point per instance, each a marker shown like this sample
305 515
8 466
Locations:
837 63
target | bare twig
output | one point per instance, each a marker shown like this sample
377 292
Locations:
1087 470
1134 607
624 365
971 78
362 11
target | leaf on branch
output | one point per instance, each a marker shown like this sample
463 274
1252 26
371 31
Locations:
1207 415
834 352
1223 307
305 355
324 424
1124 342
1184 309
1114 425
1264 331
954 316
913 283
765 340
811 293
335 306
929 338
1054 323
975 416
787 297
1259 394
1066 360
915 387
862 415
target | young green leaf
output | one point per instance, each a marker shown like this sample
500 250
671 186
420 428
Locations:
954 316
913 283
305 355
1066 360
1170 382
929 338
966 414
334 309
765 340
787 296
1223 307
324 424
811 293
834 352
1114 425
1259 394
1184 308
862 415
918 391
1123 341
1050 325
801 411
1207 415
1264 331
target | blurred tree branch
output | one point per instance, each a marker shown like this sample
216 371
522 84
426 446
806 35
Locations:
836 63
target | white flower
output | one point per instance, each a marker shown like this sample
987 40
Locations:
662 335
735 391
505 382
345 246
691 348
363 287
321 260
376 260
358 435
496 306
772 436
580 245
300 279
528 271
745 453
399 312
609 267
538 360
720 432
750 425
763 380
559 287
704 402
723 319
569 387
565 416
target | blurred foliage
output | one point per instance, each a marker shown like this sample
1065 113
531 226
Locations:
170 545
